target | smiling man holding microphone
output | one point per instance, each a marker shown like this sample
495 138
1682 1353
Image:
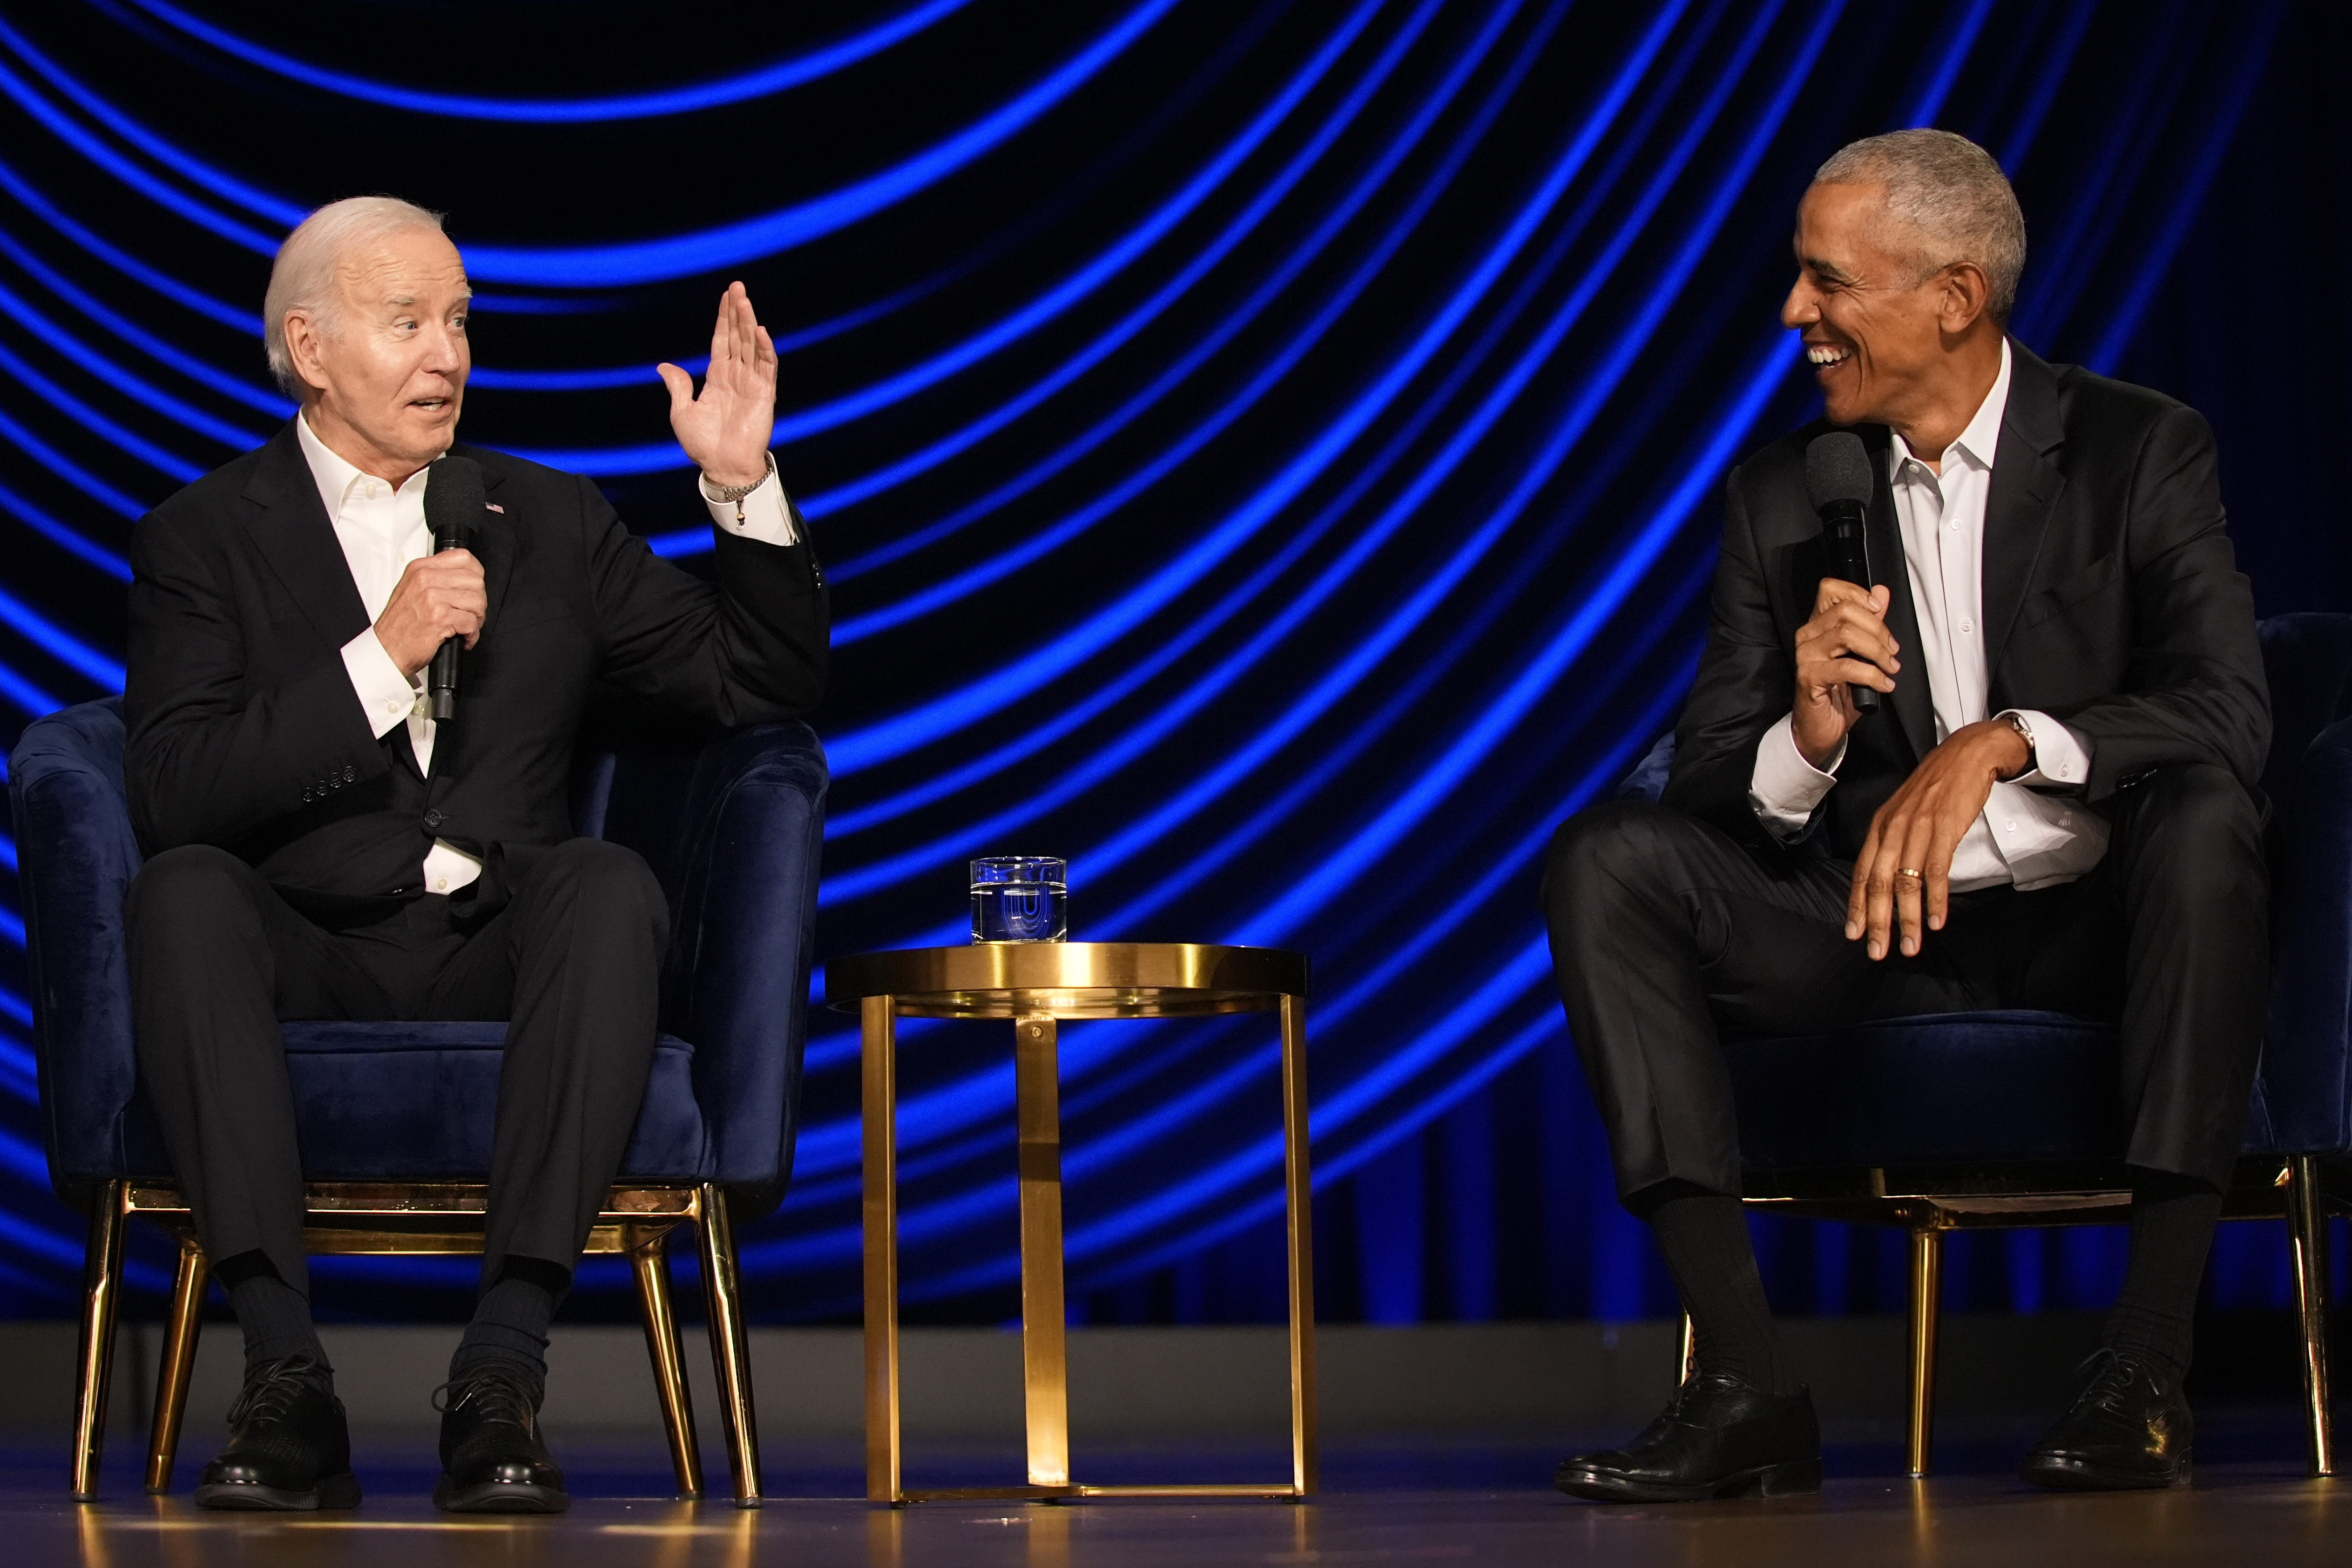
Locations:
2053 807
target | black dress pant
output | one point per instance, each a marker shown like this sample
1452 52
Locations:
1666 933
571 961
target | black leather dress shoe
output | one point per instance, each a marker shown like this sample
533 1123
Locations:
491 1458
2128 1428
1719 1436
288 1445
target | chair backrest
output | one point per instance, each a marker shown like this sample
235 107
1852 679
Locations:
2304 1092
76 854
732 822
2308 658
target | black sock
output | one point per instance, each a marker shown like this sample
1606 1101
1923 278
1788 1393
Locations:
508 1331
275 1316
2172 1222
1704 1237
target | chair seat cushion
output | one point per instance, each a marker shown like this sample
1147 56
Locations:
419 1102
1940 1089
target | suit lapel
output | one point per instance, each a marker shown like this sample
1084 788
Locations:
2026 484
1914 705
290 527
494 538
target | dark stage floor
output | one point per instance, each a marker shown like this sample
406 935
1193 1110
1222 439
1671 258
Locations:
1384 1503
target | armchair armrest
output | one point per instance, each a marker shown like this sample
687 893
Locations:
742 879
76 855
2306 1065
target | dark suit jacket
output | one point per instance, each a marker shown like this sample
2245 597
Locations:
2112 603
244 731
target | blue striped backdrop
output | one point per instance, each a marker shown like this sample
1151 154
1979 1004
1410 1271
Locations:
1265 453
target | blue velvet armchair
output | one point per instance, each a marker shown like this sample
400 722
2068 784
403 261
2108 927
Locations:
1971 1121
396 1119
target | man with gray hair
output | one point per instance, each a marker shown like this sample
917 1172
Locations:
2053 806
321 846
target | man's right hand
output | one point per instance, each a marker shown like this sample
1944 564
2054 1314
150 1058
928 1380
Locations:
440 596
1846 643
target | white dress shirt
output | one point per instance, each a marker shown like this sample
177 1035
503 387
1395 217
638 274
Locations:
2023 836
382 529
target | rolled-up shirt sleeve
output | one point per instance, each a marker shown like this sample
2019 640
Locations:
763 515
2061 759
385 695
1785 788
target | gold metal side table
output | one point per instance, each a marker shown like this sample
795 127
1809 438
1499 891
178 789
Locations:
1037 986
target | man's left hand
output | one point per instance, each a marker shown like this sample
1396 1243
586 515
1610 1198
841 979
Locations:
1904 873
727 428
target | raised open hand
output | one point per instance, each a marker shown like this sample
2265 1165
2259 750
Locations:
727 428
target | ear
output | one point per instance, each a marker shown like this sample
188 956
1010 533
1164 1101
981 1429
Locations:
302 346
1967 291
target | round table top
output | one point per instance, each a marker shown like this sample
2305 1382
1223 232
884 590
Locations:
1069 980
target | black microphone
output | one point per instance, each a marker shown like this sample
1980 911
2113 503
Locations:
452 507
1837 479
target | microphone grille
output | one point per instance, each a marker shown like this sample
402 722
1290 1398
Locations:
1837 468
453 497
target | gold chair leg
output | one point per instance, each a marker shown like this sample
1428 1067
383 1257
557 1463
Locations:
101 1292
650 1259
1690 1348
1927 1302
2306 1225
730 1348
179 1362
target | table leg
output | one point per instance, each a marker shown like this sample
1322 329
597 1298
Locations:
880 1114
1298 1206
1045 1351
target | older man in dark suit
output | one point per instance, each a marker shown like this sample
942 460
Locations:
322 848
2055 808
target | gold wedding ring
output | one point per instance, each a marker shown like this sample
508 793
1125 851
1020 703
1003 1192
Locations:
1907 871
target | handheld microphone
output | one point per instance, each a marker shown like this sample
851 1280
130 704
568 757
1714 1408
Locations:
1837 480
452 507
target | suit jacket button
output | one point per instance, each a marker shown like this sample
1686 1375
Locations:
432 819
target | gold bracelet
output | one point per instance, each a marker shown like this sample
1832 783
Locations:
724 494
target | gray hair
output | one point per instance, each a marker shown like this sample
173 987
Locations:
1952 195
303 276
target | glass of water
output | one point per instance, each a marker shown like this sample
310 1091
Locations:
1020 898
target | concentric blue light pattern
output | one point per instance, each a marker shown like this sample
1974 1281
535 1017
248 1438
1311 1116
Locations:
1266 453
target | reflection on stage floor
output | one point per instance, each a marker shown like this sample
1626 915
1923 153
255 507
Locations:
1399 1502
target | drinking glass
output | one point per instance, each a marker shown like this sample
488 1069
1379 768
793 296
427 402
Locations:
1020 898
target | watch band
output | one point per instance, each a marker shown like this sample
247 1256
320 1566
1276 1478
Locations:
2017 723
733 494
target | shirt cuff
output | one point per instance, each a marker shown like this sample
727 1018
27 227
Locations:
2061 759
385 695
1784 788
449 868
763 515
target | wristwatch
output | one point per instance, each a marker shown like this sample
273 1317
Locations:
2017 723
